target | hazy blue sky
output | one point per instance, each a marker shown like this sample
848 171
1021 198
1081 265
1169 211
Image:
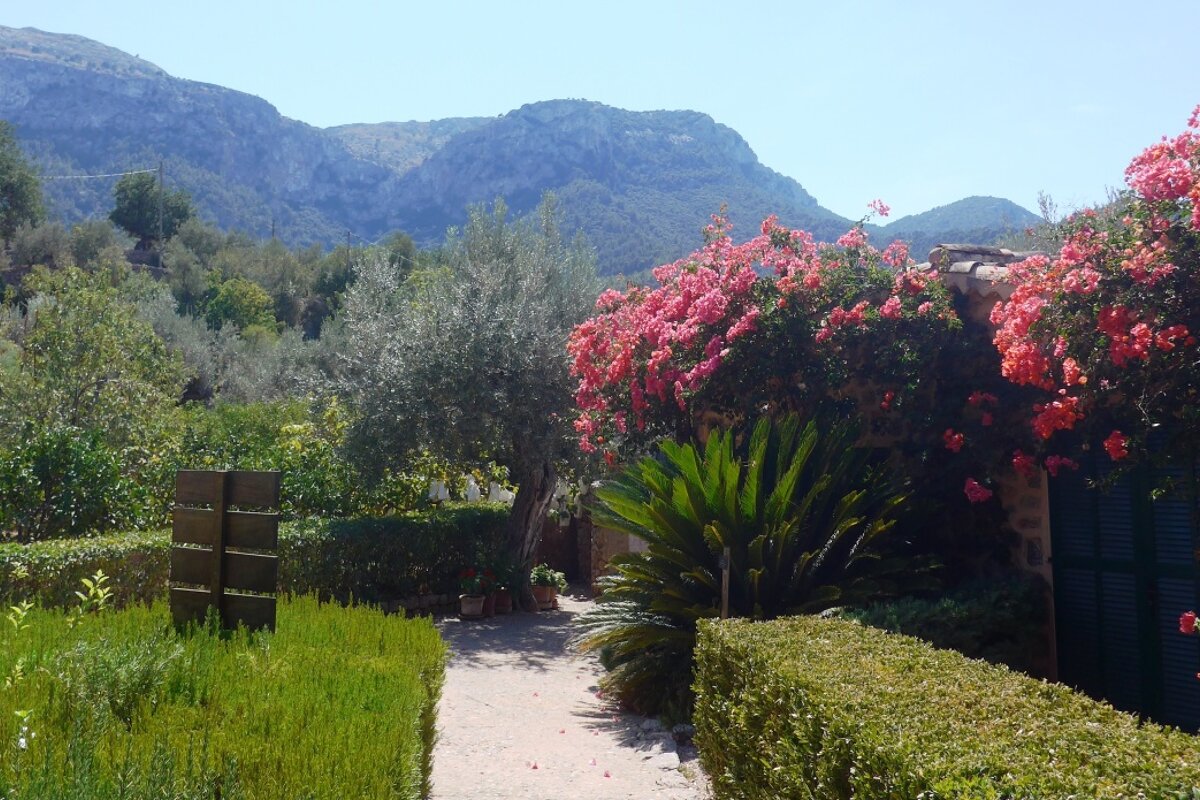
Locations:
919 103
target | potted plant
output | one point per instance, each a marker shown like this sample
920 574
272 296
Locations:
507 578
470 601
547 583
488 586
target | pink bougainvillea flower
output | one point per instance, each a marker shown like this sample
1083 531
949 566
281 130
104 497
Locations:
1024 464
1055 463
607 774
879 207
1187 622
975 492
1117 446
592 762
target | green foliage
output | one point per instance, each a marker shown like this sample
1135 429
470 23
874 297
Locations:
387 558
94 241
66 481
804 516
20 189
303 441
472 366
137 206
87 419
47 245
996 619
50 572
820 708
475 362
340 702
240 303
544 575
371 559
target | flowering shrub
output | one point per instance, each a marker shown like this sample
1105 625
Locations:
782 323
652 359
1106 328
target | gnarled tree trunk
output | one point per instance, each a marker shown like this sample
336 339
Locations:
537 480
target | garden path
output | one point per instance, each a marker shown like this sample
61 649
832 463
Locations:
515 698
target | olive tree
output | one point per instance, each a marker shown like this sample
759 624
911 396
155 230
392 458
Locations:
468 359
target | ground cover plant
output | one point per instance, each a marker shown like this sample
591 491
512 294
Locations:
806 518
339 702
811 707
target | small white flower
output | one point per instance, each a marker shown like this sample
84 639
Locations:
21 743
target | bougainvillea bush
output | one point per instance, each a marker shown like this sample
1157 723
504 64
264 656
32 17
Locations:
781 324
1106 329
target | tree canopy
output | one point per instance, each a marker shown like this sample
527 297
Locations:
470 361
137 206
20 189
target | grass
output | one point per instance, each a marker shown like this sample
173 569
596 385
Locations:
339 703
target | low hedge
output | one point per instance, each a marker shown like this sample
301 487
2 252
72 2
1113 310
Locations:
370 560
338 703
827 708
990 618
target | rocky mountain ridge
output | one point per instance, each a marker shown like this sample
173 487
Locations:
640 185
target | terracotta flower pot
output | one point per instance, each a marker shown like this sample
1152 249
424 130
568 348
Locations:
545 597
470 605
503 601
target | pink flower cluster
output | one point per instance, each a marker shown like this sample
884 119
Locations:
648 351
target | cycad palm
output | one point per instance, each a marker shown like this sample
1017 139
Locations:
802 516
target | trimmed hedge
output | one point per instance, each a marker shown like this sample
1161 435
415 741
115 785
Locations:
368 560
989 618
823 708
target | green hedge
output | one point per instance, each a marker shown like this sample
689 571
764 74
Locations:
820 708
339 703
990 618
365 559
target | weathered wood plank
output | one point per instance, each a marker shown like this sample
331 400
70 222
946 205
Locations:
201 487
251 572
247 571
259 489
253 611
197 487
245 528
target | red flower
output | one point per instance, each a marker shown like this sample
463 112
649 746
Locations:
1187 622
954 441
975 492
1116 445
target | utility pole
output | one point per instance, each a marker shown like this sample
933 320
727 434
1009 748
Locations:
160 213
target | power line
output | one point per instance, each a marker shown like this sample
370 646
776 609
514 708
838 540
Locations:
106 175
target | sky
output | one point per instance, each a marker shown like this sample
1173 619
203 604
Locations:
916 103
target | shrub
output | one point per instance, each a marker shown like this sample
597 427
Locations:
996 619
811 707
366 559
389 557
806 521
337 703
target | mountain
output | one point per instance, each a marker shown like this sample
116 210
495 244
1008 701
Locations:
640 185
976 220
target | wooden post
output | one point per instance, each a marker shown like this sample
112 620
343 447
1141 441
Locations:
725 556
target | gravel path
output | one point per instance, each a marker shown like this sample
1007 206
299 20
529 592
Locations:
520 718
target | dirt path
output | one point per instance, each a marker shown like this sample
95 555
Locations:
520 719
